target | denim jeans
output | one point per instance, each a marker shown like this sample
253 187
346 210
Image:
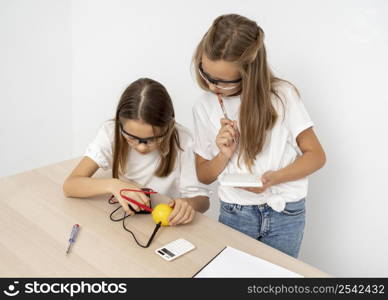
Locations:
283 231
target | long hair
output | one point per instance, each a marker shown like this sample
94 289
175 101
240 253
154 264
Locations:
147 100
234 38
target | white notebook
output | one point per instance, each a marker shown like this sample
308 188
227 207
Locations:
235 263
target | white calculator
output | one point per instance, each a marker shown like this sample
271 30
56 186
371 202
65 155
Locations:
174 249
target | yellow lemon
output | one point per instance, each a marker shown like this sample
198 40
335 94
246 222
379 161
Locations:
160 213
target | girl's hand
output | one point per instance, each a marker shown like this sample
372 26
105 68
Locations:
140 197
227 137
268 179
182 213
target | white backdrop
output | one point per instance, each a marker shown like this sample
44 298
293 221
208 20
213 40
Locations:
63 66
35 84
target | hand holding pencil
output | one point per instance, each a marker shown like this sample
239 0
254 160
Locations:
227 138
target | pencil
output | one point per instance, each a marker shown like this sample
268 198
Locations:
221 102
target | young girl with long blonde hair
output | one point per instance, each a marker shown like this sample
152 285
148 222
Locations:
267 131
143 147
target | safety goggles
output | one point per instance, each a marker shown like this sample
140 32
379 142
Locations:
218 83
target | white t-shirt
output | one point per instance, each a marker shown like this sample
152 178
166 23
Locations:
181 182
280 148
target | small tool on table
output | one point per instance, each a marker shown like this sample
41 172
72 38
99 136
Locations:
73 236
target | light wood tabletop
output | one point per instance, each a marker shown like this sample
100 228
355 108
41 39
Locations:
36 220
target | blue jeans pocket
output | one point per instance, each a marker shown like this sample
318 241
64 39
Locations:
295 208
228 207
242 218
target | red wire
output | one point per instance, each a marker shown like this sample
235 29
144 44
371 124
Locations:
147 192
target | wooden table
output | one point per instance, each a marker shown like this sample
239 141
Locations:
36 220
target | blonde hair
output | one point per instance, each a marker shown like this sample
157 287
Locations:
147 100
234 38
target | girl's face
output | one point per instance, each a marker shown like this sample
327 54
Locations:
221 70
140 136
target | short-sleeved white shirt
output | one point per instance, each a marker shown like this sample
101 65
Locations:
181 182
280 148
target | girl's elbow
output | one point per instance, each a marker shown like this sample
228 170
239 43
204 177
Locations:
322 160
201 178
202 174
206 205
66 189
204 180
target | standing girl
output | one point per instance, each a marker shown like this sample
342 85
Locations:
267 131
144 147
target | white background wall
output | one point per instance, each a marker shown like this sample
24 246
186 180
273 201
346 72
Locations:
63 66
35 84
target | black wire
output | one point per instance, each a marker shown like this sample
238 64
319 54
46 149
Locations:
133 235
117 220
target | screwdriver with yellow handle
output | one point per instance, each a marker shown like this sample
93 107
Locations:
73 236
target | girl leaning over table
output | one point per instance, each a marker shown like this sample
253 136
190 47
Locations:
144 147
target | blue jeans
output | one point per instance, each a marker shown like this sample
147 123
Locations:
283 231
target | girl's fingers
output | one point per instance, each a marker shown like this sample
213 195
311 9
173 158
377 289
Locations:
126 208
227 135
133 205
139 197
185 215
224 142
175 211
230 133
191 217
235 128
180 213
144 199
226 138
229 125
221 140
229 129
224 121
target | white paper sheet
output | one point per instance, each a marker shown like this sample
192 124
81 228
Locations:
235 263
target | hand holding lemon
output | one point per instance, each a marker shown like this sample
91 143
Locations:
178 211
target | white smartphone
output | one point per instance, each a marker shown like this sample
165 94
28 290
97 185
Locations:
240 180
174 249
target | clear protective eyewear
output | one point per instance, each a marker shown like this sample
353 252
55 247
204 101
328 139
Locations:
218 83
135 140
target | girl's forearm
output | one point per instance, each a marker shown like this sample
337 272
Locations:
208 171
83 187
303 166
